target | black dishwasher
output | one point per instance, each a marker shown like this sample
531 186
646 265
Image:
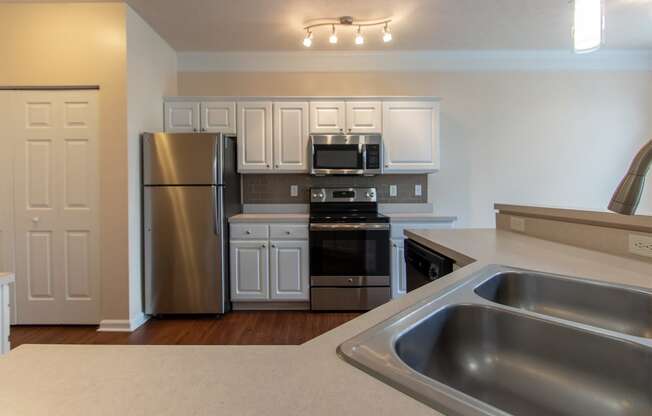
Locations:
424 265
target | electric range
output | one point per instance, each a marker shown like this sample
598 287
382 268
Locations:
349 250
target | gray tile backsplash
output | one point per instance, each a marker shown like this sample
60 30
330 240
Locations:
275 189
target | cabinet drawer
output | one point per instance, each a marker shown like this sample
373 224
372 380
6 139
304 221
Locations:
288 231
249 232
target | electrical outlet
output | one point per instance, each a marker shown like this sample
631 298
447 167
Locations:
393 191
517 224
417 190
640 245
294 190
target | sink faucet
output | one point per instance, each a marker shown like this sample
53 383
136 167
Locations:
628 194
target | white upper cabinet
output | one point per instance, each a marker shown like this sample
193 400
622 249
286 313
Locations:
200 116
291 135
363 117
411 136
218 117
254 136
327 117
181 116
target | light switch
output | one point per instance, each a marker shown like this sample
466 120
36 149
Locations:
294 190
417 190
392 190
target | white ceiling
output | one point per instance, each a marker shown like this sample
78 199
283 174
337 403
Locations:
271 25
277 25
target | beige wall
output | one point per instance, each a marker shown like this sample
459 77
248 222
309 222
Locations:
560 138
151 74
81 44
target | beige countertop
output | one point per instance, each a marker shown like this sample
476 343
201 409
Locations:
272 380
304 217
6 278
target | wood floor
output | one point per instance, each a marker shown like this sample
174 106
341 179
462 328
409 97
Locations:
236 328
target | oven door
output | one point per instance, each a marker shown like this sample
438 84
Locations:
337 159
349 254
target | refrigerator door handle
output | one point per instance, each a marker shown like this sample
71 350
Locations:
215 209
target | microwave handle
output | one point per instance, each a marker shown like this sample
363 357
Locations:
363 150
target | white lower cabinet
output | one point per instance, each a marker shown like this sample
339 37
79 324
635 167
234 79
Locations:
270 270
249 270
289 270
398 273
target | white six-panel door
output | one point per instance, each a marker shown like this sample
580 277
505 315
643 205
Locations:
6 189
55 137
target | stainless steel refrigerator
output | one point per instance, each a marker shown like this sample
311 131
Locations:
190 188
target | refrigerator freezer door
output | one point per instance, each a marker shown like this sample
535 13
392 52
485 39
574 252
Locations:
180 158
183 250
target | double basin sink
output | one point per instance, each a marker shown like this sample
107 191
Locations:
509 341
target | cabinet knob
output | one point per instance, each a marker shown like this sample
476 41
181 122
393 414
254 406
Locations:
273 245
341 130
349 130
264 245
248 232
195 130
288 232
350 280
36 219
394 245
268 165
203 129
277 166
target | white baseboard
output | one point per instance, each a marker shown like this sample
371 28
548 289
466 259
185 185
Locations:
122 325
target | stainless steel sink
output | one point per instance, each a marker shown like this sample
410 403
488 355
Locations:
617 308
465 355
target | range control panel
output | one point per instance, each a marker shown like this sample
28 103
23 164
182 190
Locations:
343 195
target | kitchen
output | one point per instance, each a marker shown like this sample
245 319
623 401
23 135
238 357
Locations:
527 128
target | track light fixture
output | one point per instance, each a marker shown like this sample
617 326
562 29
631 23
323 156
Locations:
347 21
387 35
359 39
307 41
333 37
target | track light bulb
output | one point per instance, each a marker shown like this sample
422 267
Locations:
307 41
387 35
333 38
359 40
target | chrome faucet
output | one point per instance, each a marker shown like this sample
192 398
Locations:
628 194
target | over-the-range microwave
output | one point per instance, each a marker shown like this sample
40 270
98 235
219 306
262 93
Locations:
346 154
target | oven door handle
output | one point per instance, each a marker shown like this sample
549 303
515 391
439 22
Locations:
348 227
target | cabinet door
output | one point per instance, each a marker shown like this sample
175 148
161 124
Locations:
291 136
218 117
254 136
181 116
289 270
363 117
411 136
249 270
327 117
398 268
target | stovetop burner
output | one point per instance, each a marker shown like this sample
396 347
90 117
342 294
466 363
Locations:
345 205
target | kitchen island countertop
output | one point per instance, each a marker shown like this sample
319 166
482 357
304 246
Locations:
309 379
